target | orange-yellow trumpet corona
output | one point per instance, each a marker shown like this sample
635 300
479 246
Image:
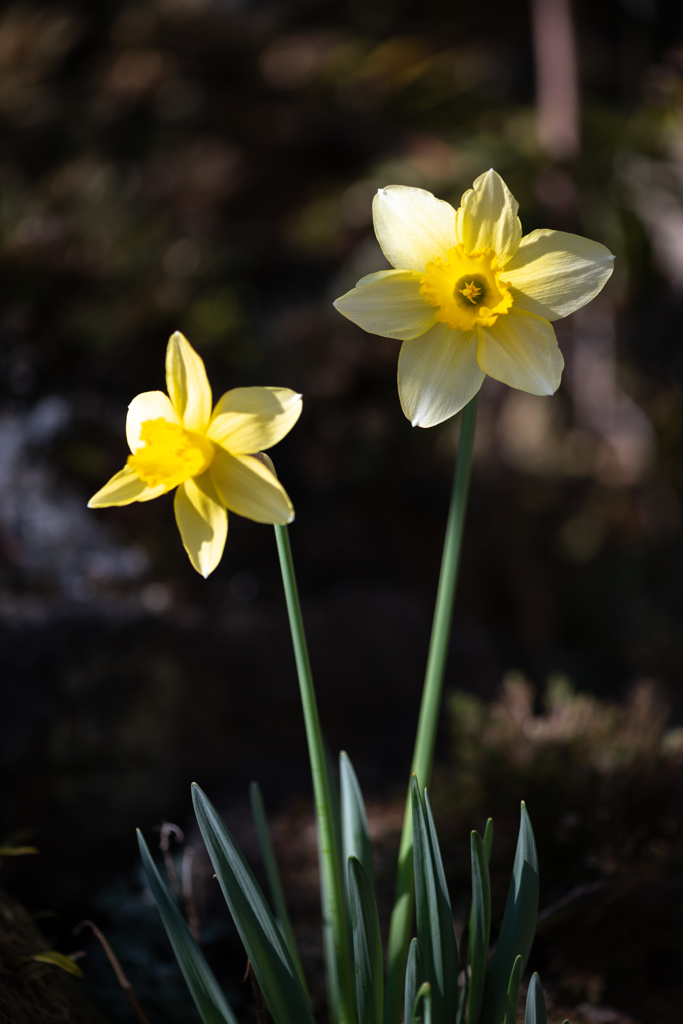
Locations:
208 454
469 296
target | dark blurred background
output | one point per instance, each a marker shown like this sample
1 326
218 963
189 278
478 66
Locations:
209 167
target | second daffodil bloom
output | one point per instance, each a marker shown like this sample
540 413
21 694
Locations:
179 441
469 296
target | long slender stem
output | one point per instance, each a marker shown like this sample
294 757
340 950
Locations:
333 887
401 918
273 875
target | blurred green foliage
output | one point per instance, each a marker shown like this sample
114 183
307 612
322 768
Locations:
604 782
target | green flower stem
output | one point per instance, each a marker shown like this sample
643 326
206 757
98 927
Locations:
402 915
322 787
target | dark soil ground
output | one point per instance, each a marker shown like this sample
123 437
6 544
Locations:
33 993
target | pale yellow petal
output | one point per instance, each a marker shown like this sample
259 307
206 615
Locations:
246 420
202 521
188 384
487 218
123 489
247 487
390 304
521 350
412 226
150 405
553 273
438 374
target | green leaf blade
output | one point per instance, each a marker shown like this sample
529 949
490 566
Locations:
207 995
535 1003
423 1000
513 992
480 926
355 833
415 978
488 838
435 929
55 959
519 922
262 939
367 945
273 876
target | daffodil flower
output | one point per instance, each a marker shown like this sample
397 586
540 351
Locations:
177 441
469 296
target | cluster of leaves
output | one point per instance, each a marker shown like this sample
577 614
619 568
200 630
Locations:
440 985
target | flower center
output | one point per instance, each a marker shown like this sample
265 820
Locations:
466 289
171 454
471 291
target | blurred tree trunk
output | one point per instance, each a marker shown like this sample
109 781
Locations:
557 91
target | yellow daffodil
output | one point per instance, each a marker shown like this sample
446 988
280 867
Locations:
176 440
469 296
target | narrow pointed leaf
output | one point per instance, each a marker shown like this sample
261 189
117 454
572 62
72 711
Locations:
488 842
207 995
513 992
262 939
422 1010
335 809
519 922
273 875
480 926
355 834
415 978
435 930
488 838
535 1002
55 959
367 945
449 945
330 952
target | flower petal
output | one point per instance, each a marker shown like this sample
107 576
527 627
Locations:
521 350
438 374
487 218
553 273
202 521
246 420
389 304
412 226
150 405
245 486
188 384
124 488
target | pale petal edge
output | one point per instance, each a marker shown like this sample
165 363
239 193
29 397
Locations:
246 486
124 488
247 420
187 383
438 374
389 305
202 522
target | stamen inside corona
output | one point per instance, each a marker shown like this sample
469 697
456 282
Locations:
471 292
466 289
